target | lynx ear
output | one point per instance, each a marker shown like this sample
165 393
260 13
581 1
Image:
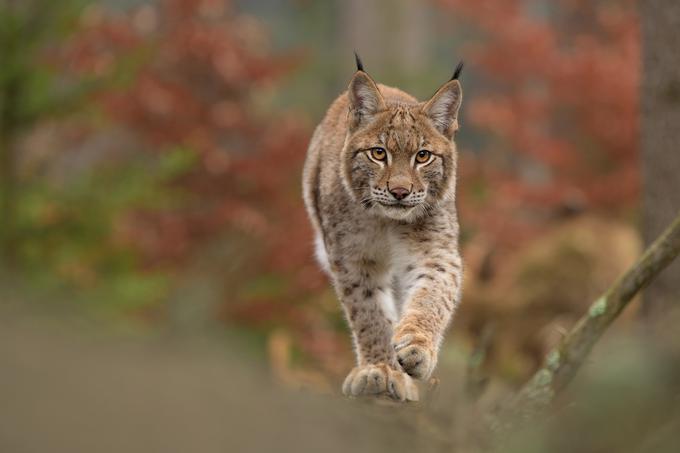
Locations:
365 99
442 108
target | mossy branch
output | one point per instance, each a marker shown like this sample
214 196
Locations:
564 361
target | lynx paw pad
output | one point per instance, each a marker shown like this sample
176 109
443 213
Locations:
376 380
415 355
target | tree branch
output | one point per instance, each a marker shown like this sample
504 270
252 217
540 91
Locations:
564 361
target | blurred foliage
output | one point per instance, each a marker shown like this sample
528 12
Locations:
559 107
29 31
28 90
68 231
60 221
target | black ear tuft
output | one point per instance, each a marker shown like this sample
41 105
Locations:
459 69
360 65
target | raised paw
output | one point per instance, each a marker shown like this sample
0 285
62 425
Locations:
380 379
416 355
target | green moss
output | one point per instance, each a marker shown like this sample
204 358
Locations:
598 308
553 360
543 378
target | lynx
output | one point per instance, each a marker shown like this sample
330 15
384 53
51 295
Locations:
379 185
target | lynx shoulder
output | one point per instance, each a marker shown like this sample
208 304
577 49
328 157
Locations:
379 185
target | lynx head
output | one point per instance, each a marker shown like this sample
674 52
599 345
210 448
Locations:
399 158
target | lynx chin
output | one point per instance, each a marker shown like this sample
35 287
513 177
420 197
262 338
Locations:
380 187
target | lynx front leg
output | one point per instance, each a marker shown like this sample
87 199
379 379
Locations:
433 293
364 295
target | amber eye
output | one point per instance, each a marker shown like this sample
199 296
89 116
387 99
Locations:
378 153
423 156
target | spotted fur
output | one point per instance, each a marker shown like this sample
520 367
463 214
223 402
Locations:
394 262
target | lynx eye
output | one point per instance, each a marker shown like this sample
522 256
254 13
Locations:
423 156
378 153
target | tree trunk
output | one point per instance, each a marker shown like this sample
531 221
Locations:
660 122
9 95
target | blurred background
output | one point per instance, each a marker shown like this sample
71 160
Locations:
150 164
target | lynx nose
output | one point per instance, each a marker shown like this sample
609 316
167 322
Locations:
399 192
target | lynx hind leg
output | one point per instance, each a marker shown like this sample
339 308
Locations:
377 380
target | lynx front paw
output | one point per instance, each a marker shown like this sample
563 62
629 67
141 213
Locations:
416 355
378 380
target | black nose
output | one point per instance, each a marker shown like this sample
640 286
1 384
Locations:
399 192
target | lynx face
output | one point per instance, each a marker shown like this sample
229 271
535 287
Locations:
400 159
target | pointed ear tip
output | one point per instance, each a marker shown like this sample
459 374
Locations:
360 64
459 69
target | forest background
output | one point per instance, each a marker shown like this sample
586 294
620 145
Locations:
151 155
